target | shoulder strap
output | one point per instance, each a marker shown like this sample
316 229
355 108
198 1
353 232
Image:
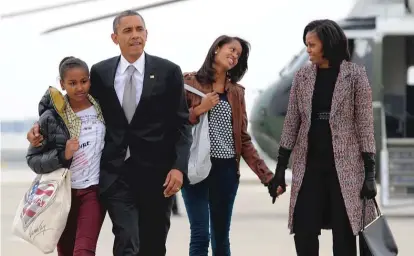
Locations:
194 90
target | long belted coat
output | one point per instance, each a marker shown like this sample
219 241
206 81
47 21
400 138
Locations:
351 123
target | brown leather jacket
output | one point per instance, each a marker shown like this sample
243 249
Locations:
243 144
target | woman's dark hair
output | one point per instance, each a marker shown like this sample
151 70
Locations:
71 62
206 74
334 41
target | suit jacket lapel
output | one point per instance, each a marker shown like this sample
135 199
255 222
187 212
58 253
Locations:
149 77
109 82
341 86
148 83
109 75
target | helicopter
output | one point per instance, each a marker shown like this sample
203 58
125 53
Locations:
380 37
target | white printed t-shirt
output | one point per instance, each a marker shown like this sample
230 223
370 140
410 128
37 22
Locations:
85 167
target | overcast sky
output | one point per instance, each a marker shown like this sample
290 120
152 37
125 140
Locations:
182 32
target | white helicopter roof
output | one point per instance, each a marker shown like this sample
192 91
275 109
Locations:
392 17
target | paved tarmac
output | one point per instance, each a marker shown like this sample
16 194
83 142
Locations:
258 228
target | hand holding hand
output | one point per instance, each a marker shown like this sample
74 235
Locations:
277 185
173 182
72 146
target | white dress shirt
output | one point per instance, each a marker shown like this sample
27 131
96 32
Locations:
121 75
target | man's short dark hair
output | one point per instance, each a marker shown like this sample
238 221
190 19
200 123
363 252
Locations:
125 14
333 38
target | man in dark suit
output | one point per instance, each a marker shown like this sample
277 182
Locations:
147 142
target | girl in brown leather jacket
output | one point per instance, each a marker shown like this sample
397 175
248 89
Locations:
218 77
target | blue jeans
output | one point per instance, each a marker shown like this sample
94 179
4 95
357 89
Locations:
212 200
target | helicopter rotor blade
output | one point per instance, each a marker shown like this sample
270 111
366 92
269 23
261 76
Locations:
44 8
145 7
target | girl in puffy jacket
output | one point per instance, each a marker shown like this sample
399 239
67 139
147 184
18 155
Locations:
73 130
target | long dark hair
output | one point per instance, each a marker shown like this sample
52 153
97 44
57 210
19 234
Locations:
333 38
206 74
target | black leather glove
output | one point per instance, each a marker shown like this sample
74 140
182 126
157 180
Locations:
369 189
279 177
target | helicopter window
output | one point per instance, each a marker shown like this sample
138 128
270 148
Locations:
361 50
295 63
410 76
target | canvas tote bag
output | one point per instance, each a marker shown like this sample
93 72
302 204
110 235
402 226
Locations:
199 164
42 213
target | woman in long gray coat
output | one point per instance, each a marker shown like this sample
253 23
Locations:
329 128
